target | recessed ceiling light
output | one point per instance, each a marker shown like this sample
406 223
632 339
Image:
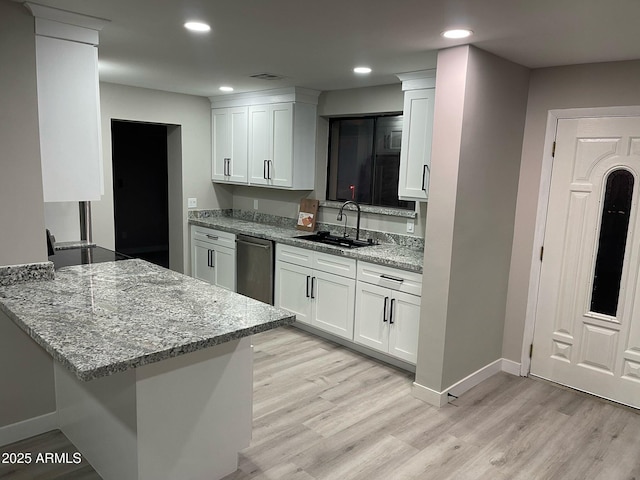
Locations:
457 33
226 89
197 26
362 70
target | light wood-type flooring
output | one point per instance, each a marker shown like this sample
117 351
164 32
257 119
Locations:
324 412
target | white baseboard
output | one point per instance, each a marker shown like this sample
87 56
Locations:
509 366
440 399
28 428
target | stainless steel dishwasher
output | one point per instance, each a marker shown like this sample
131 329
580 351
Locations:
254 268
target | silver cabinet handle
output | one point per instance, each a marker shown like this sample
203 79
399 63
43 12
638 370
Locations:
264 169
389 277
212 237
227 167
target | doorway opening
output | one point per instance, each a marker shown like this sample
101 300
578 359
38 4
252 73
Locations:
141 190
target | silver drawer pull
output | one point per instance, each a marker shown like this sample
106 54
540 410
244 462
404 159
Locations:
212 237
389 277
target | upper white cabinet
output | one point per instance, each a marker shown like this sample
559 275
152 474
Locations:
68 104
415 152
279 138
229 136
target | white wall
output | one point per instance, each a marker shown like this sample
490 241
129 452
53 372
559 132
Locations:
478 129
22 238
193 115
592 85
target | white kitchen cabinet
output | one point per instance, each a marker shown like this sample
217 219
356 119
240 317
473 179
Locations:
68 104
280 143
229 145
417 133
387 315
213 257
318 288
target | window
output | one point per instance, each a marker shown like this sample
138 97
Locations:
612 243
364 160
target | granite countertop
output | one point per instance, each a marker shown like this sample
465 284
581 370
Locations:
109 317
391 255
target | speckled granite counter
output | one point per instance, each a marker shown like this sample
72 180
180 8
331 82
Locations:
384 254
109 317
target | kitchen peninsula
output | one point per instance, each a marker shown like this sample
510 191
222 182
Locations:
153 369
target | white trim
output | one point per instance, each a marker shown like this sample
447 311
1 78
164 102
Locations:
262 97
475 378
28 428
541 216
511 367
439 399
418 80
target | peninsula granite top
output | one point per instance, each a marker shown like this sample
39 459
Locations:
104 318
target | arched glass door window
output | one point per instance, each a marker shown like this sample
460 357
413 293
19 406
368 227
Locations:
614 226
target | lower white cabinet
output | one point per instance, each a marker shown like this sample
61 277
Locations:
318 288
213 257
387 315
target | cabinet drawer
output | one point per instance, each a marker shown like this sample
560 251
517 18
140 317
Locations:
400 280
295 255
345 267
214 237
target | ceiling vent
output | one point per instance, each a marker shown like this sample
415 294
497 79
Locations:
267 76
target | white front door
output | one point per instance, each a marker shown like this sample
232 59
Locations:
587 330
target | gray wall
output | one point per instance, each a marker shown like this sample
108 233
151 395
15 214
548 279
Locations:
479 123
592 85
26 376
193 115
22 237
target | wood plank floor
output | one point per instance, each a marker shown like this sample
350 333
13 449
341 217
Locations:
324 412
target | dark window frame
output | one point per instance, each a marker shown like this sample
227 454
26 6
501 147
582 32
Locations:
402 204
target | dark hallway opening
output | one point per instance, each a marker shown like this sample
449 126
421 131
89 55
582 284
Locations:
140 190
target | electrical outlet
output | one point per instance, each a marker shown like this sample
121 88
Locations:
192 203
410 226
255 204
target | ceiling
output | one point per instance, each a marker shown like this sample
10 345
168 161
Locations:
316 43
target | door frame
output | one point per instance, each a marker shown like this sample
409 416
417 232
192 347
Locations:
553 117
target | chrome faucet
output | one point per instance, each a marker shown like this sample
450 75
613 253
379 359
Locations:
339 218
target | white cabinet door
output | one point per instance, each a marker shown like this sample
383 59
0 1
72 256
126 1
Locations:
372 316
333 299
259 144
280 167
404 322
293 290
220 144
224 266
201 262
230 145
69 120
271 144
415 153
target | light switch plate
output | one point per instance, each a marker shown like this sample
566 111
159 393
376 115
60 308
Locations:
192 203
255 204
410 226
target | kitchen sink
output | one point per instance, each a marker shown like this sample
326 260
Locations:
339 241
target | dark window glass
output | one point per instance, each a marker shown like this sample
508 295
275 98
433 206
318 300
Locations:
364 160
612 242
